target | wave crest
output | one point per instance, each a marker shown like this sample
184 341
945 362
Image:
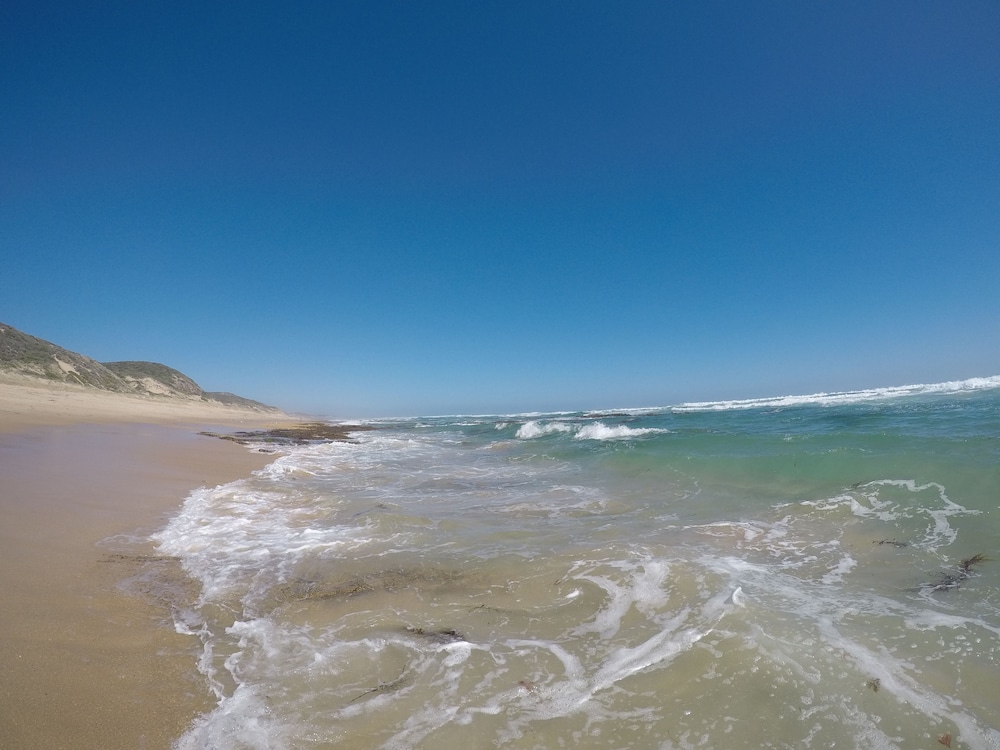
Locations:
845 397
589 431
534 429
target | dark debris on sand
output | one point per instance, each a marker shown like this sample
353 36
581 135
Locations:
966 567
445 635
300 434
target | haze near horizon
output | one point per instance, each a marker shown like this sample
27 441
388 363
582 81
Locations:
394 209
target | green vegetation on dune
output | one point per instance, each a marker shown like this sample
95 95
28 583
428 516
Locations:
167 376
28 356
233 400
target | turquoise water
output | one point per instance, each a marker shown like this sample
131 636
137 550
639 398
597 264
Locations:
794 572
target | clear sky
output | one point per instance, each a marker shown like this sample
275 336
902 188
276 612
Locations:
397 208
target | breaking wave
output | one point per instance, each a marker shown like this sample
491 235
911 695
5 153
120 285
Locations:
587 431
845 397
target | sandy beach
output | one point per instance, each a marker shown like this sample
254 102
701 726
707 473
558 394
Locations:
88 653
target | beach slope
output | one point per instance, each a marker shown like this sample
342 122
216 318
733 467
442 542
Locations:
88 653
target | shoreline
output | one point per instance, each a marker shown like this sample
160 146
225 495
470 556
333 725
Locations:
87 476
32 402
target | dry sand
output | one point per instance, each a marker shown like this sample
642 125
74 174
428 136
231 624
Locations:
29 402
84 661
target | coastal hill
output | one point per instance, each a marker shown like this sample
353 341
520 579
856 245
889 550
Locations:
29 358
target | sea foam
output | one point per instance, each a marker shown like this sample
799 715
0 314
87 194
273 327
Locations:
743 581
845 397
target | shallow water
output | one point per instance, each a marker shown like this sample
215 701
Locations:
716 575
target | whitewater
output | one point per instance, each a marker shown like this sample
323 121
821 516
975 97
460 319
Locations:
809 572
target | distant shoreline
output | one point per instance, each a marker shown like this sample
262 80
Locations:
85 664
27 401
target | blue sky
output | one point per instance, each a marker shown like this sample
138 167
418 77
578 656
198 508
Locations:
376 208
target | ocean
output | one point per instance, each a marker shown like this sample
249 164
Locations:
798 572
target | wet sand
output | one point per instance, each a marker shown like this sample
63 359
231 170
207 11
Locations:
88 662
